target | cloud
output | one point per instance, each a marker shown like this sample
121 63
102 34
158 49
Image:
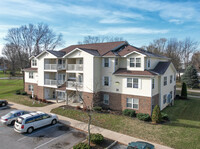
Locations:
176 21
184 11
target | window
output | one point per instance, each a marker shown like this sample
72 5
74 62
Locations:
30 75
174 77
171 94
34 62
106 99
138 62
106 62
116 61
135 62
171 78
165 81
106 81
148 63
132 103
132 62
153 83
30 88
132 82
30 120
164 99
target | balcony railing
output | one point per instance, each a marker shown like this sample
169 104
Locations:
53 82
54 66
77 67
72 84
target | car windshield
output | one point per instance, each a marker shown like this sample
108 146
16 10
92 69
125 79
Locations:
19 120
8 115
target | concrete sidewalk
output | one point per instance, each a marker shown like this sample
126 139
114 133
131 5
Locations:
124 139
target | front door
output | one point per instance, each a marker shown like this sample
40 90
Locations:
47 93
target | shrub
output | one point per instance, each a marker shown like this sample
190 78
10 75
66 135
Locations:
84 109
30 96
96 138
97 108
129 112
164 116
78 107
81 146
184 91
156 115
18 92
24 93
143 117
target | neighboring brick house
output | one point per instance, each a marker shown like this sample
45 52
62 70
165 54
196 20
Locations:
123 75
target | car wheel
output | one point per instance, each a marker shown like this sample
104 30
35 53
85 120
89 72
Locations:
3 104
30 130
54 122
12 123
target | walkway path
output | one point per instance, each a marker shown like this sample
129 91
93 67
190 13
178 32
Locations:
124 139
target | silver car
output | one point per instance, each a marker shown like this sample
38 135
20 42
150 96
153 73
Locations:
9 118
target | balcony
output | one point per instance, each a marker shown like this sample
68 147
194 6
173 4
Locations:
75 67
72 84
53 82
54 66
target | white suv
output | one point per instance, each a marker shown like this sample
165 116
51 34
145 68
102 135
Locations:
29 122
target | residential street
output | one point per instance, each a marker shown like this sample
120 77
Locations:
124 139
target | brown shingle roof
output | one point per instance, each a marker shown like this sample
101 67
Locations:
102 48
124 71
30 69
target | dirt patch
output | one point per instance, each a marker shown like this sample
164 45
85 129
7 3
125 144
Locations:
79 134
63 128
39 138
59 145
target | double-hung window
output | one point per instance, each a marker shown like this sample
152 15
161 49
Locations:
138 62
171 78
132 62
132 82
106 62
30 88
165 81
148 63
164 98
30 75
106 99
116 61
106 81
132 103
34 62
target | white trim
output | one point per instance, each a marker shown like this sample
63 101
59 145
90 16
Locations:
134 52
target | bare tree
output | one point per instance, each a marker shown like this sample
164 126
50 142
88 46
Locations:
196 60
188 48
100 39
11 55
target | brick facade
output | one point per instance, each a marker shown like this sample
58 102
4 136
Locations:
118 102
38 90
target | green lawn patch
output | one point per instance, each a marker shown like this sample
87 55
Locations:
7 74
182 132
8 89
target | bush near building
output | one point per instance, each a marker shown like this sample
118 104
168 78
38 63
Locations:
156 115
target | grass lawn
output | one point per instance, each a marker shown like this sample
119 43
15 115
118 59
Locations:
182 132
2 75
8 89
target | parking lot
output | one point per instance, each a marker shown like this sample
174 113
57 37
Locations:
50 137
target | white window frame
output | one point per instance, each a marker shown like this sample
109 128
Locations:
171 78
153 83
31 75
165 81
30 88
134 62
132 82
105 80
133 102
34 62
104 62
106 99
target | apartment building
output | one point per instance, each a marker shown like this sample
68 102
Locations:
124 76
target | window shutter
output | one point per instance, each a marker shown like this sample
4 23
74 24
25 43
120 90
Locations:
140 83
102 81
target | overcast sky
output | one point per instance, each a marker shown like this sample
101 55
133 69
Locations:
137 21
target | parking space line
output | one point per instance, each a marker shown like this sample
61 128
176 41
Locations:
36 132
50 140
